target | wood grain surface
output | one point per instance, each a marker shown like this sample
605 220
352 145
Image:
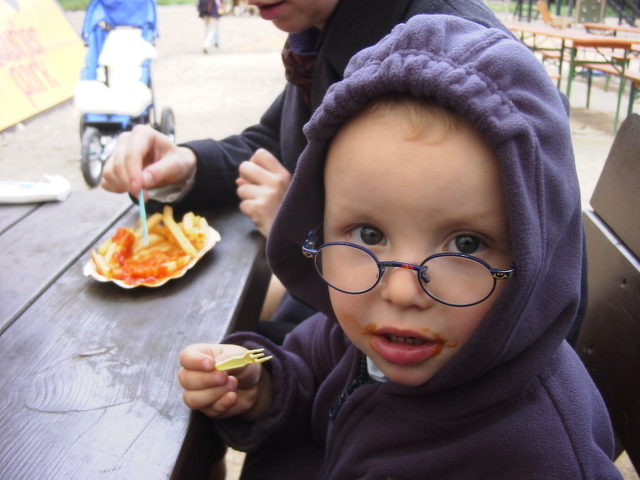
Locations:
89 369
46 241
616 198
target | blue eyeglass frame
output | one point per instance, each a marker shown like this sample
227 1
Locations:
309 251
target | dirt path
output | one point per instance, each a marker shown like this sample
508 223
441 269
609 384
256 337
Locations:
219 94
211 95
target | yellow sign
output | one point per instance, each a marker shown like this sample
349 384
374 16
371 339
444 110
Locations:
41 56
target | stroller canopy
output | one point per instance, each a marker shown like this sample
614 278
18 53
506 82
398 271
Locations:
115 13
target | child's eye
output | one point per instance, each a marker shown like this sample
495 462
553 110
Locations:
466 243
367 235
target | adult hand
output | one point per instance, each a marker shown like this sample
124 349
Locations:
145 158
242 391
262 183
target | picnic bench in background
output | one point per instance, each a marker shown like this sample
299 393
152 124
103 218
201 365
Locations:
609 339
572 50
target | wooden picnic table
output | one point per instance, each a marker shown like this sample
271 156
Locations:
88 377
609 28
572 41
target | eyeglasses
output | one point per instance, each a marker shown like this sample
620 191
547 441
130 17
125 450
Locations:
454 279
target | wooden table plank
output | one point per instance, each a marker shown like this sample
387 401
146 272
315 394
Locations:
13 213
604 28
117 413
35 251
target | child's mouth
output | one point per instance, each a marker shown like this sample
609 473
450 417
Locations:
269 12
405 350
408 340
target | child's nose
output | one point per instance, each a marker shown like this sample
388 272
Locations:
400 286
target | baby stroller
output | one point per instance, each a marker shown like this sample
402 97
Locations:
115 92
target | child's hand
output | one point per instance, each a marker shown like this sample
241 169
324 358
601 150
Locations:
242 391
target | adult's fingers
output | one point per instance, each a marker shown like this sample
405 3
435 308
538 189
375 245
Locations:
114 175
250 191
145 158
175 167
253 173
265 159
135 149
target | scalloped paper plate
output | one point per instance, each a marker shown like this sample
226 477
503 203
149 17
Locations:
212 239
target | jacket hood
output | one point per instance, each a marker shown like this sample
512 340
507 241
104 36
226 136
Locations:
500 87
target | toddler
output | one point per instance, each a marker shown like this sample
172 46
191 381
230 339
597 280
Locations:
434 221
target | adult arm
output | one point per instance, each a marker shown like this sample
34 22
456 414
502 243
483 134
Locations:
218 161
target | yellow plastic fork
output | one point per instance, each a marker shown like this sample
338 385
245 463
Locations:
250 356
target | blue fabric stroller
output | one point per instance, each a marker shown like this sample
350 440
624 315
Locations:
115 92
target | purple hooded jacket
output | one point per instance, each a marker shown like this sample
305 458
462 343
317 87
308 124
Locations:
515 402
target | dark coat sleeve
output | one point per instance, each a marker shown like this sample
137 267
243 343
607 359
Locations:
218 161
297 370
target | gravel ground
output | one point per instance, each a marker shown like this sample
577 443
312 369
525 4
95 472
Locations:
221 93
211 95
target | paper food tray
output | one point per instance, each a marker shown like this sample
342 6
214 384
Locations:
212 238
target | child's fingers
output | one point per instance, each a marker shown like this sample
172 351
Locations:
223 408
208 398
197 380
198 357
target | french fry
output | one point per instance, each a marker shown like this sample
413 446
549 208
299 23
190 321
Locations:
102 249
172 246
109 253
203 226
187 223
154 220
154 239
180 237
101 265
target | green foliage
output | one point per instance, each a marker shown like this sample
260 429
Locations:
73 4
82 4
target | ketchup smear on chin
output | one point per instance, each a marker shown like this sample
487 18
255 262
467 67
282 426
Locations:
403 353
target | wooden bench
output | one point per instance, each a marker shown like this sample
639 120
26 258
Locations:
632 76
609 339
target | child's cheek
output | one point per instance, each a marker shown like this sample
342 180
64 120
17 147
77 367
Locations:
466 323
346 307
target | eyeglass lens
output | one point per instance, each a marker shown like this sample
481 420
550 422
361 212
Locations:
450 279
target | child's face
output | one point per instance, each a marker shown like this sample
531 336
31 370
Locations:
405 200
294 16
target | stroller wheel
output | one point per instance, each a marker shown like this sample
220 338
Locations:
168 124
91 156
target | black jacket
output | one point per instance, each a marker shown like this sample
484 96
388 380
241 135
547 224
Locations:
355 24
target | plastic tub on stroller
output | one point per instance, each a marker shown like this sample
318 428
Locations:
115 92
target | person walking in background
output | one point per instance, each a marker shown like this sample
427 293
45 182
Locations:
210 11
